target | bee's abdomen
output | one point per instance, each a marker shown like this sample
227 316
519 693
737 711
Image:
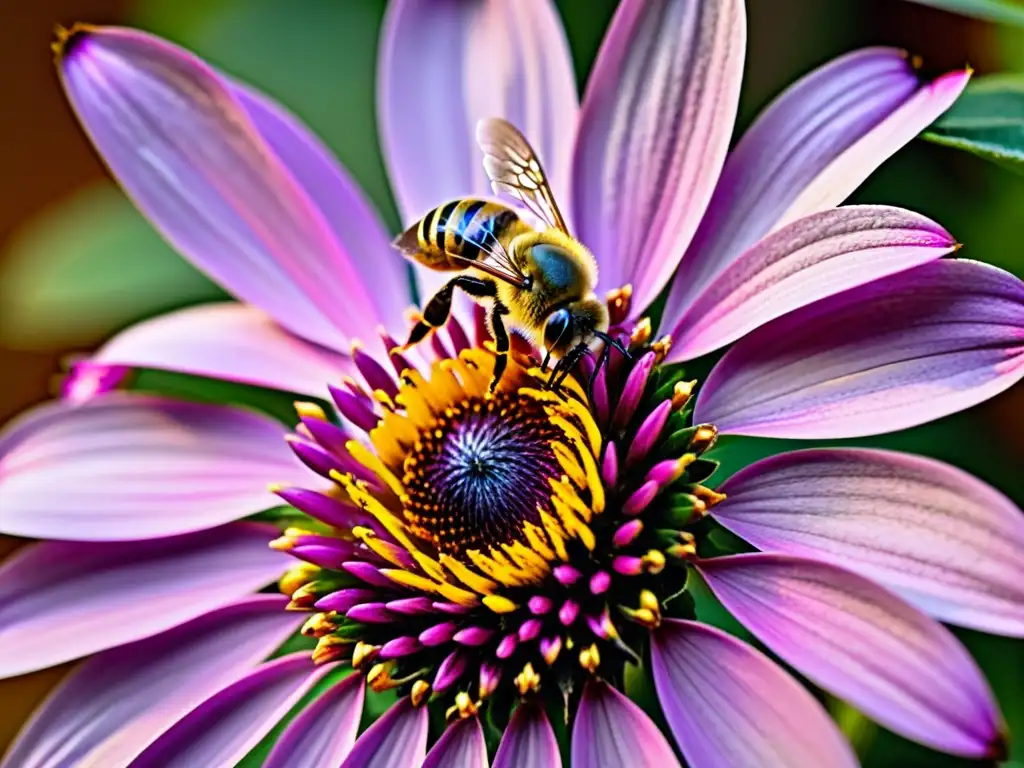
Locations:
464 227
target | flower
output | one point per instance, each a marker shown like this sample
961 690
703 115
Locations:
845 320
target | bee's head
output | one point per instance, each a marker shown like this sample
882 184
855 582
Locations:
574 324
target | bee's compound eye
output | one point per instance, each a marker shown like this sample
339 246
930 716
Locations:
558 327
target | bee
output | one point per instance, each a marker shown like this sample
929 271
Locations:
539 283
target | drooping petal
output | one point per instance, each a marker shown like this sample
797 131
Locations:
397 740
612 730
324 732
729 705
501 59
810 259
460 746
807 152
120 700
865 645
352 218
63 600
944 540
233 342
655 125
528 741
187 154
888 355
222 729
130 466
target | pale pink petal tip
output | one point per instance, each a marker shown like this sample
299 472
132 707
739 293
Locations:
186 152
87 379
865 645
892 354
944 540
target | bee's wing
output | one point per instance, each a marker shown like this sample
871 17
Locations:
496 262
513 167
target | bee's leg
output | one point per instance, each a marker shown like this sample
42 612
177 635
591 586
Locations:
437 310
615 343
601 360
547 359
501 341
566 364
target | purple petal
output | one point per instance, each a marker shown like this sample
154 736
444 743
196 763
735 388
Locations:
655 125
324 732
119 701
865 645
128 466
810 259
528 741
222 729
396 740
729 705
460 746
64 600
807 152
188 156
501 59
612 730
888 355
233 342
87 379
945 541
352 218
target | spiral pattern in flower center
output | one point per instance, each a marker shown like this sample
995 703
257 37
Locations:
480 473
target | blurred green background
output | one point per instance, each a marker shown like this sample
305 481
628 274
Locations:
77 262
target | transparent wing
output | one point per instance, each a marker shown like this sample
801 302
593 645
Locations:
496 261
513 168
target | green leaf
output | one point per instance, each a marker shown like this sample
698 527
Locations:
1001 11
87 267
988 121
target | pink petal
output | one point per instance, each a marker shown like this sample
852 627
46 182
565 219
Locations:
729 705
87 379
655 125
810 259
352 218
460 746
324 732
233 342
500 59
888 355
120 700
815 143
528 741
612 730
945 541
865 645
221 730
186 153
396 740
130 466
64 600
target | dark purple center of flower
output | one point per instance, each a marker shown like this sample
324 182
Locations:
481 472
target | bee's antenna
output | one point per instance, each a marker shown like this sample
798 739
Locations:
613 342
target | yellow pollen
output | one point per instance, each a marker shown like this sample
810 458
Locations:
309 410
552 651
703 438
590 658
528 680
499 604
420 693
320 624
379 677
363 654
709 497
681 393
641 333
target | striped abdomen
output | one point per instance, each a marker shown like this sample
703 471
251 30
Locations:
459 228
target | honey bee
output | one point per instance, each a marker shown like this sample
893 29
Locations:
540 283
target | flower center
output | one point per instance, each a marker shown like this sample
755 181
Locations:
480 473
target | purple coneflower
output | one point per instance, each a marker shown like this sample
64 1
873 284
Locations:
510 561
